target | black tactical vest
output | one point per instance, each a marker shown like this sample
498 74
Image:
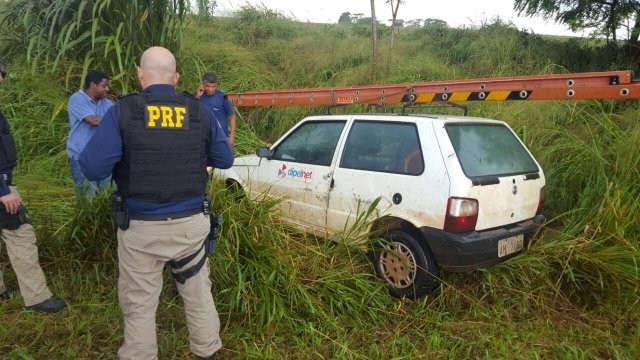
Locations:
165 139
8 153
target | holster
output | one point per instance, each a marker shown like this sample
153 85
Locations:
119 209
13 221
216 221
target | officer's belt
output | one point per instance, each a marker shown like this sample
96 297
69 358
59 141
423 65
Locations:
163 217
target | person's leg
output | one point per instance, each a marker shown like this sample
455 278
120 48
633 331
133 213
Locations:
139 286
84 187
91 189
78 179
202 318
23 255
103 184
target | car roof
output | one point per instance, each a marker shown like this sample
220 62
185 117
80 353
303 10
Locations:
399 117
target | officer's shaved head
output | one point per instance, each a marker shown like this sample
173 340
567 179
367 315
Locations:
157 66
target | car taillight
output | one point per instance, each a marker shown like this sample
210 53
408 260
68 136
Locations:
540 201
462 215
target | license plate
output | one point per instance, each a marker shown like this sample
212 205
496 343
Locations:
510 245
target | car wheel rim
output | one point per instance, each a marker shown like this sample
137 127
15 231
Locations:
398 265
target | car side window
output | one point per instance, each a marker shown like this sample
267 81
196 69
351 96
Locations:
383 147
312 143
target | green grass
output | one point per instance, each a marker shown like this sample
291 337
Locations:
282 294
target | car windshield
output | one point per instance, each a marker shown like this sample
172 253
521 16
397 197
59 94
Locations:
489 150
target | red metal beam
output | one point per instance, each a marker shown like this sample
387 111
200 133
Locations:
576 86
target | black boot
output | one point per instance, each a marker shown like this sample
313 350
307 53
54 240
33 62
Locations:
51 305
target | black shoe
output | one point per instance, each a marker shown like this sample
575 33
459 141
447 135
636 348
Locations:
51 305
7 295
211 357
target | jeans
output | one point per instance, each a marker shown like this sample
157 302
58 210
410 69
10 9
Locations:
85 189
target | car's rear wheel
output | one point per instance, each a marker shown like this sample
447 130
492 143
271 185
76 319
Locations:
405 265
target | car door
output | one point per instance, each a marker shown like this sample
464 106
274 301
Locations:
384 159
299 172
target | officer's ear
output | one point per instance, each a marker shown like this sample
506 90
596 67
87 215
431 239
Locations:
176 78
141 77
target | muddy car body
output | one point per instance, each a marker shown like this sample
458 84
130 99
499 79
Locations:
455 192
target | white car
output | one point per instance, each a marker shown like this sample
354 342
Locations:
456 193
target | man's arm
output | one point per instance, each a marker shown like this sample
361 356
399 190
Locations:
92 120
104 149
231 119
232 129
80 111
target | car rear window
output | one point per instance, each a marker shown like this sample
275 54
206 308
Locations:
489 150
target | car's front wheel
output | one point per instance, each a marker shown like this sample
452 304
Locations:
236 190
406 265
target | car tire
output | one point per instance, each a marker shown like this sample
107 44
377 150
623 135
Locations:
236 190
407 266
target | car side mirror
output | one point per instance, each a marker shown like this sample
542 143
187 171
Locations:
263 152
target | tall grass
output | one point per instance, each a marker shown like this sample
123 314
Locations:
282 294
79 34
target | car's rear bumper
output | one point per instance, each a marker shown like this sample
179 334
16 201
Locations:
472 250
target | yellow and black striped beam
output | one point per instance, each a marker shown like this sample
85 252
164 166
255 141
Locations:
467 96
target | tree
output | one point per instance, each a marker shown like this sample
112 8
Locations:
606 16
436 23
415 23
395 4
435 27
374 41
345 18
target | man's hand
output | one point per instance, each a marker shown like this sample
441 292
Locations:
232 140
11 203
199 91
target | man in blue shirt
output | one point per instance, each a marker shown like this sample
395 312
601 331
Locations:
216 100
86 107
157 146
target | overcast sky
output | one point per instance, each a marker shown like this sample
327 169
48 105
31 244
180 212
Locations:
455 12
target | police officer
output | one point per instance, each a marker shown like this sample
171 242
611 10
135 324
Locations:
159 144
18 234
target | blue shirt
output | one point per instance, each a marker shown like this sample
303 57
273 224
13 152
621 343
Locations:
104 151
221 107
80 106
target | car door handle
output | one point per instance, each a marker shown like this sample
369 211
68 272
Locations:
331 184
